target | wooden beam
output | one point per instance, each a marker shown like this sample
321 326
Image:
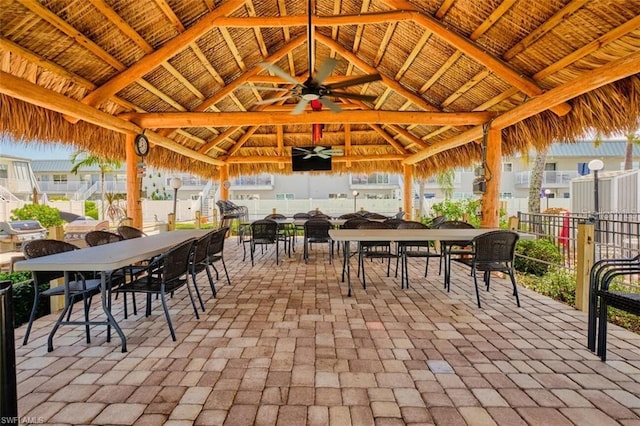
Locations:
223 119
547 26
390 82
224 180
407 191
151 61
134 183
444 8
493 174
613 71
494 64
336 158
60 71
21 89
223 92
338 20
347 142
387 137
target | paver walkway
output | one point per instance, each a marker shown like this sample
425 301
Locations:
283 345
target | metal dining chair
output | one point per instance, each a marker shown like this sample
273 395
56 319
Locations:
78 285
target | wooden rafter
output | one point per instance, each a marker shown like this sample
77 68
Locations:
591 80
358 37
444 8
497 66
152 60
208 103
17 50
223 119
36 95
337 158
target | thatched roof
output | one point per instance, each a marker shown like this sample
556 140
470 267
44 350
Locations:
543 70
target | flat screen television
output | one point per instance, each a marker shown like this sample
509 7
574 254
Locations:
313 163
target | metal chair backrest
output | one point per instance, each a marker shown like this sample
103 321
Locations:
275 216
354 223
175 261
201 250
456 224
349 216
216 244
495 246
375 216
301 216
393 223
129 232
437 221
408 224
265 230
317 229
46 247
98 238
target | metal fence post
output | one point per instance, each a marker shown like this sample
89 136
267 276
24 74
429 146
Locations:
8 385
586 254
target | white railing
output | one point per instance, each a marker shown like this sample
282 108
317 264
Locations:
6 195
550 179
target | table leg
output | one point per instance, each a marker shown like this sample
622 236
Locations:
107 311
67 306
347 251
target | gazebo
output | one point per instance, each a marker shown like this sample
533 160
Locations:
225 88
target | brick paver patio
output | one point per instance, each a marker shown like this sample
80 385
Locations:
284 345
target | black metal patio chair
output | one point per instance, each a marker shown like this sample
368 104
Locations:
491 252
216 252
316 231
166 273
263 233
374 250
79 286
414 249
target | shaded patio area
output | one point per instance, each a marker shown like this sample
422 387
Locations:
285 345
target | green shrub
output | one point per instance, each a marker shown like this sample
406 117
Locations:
47 216
23 296
91 209
540 254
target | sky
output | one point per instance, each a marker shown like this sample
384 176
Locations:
35 151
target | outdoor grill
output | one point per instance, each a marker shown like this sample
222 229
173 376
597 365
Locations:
14 233
75 231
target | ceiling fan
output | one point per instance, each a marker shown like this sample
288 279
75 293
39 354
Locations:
313 89
318 151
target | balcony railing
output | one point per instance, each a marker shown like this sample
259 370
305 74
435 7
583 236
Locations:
550 179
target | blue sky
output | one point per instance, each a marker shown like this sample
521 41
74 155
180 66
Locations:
35 151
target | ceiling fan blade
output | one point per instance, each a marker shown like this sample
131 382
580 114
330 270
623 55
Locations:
306 157
272 100
368 78
319 148
322 155
330 104
299 109
356 96
273 89
332 152
325 70
279 72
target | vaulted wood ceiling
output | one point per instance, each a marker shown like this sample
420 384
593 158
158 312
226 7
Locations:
188 73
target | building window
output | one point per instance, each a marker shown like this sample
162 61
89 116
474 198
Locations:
334 196
550 167
372 179
507 167
59 178
284 196
506 195
4 171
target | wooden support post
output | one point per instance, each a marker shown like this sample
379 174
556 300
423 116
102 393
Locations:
171 222
407 196
514 222
493 175
586 253
134 183
224 182
198 219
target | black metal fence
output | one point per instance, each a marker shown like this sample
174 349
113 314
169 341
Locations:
617 235
8 388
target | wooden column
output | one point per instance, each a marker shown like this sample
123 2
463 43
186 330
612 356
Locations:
407 196
493 174
224 177
585 258
134 183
